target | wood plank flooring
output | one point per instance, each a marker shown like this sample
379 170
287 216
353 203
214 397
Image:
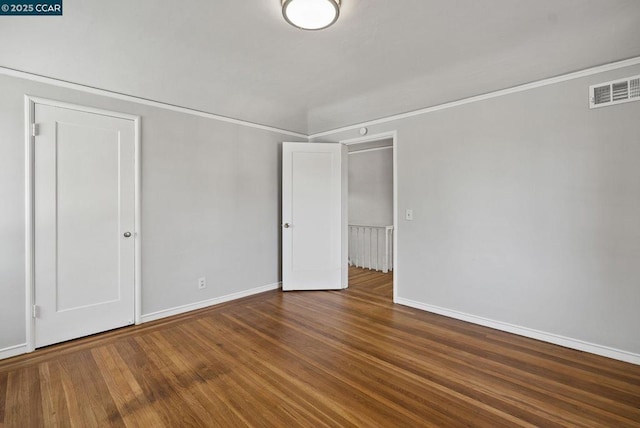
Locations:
314 359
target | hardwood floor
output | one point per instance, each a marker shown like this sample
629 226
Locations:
338 358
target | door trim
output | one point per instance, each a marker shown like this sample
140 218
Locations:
29 116
382 136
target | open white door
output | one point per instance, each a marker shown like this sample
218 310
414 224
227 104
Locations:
314 216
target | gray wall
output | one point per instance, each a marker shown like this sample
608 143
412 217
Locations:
371 187
527 211
210 204
526 208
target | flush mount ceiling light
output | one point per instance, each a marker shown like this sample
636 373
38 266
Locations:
311 14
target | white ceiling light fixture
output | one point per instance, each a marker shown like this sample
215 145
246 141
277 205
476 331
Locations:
311 14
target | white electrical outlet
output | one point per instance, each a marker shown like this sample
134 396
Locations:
408 215
202 283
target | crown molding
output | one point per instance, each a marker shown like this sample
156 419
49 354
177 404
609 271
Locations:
515 89
131 98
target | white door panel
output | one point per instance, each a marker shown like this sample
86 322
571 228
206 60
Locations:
314 216
84 203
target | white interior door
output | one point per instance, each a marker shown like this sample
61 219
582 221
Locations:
84 214
314 216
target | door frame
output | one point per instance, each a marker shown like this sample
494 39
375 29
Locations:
383 136
29 115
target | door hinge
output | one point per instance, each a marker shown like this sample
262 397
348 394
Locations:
34 129
35 311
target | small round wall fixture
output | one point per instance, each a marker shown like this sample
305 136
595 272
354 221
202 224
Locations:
311 14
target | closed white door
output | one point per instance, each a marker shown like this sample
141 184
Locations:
314 216
84 212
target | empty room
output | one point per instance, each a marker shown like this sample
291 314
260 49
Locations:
320 213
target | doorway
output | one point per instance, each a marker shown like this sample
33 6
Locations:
82 205
372 210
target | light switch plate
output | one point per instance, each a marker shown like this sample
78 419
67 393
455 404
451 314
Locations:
408 215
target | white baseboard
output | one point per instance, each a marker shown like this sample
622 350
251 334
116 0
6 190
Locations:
567 342
206 303
12 351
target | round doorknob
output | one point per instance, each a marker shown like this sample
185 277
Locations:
127 234
286 225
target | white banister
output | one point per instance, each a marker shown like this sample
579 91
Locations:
371 247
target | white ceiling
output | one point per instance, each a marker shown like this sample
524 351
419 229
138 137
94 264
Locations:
239 58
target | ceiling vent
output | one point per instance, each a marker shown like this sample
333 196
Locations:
614 92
